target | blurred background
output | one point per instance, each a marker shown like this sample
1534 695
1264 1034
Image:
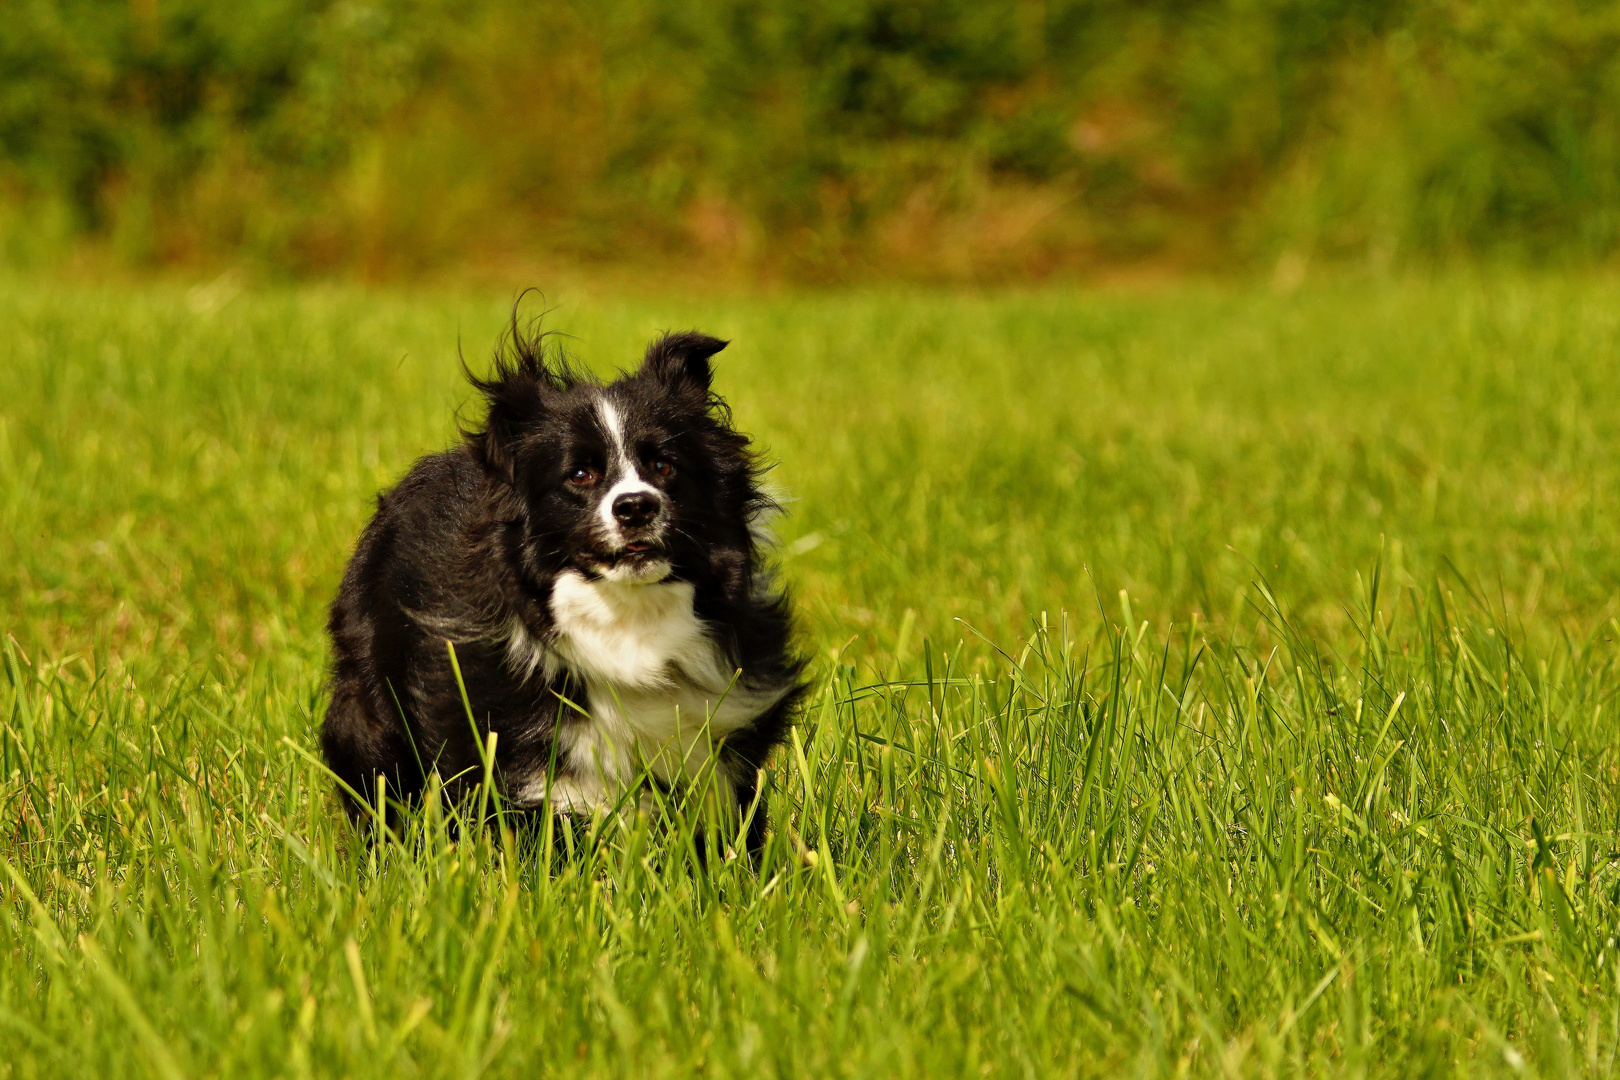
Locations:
806 140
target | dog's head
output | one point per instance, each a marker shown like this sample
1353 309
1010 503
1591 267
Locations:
633 480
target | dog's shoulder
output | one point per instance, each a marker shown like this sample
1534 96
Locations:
439 490
413 554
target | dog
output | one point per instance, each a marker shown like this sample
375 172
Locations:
589 564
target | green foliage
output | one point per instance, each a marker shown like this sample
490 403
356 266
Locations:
935 138
1294 753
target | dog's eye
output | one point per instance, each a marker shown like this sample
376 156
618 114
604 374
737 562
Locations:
584 476
663 467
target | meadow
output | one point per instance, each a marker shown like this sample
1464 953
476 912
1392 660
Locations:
1211 681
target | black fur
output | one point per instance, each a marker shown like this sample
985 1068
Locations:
471 541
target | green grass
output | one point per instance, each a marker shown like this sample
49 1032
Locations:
1294 751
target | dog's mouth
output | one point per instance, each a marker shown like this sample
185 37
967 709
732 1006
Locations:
640 562
635 557
639 551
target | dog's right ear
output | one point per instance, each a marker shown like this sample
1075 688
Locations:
527 370
515 403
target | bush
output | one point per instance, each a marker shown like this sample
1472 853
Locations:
937 137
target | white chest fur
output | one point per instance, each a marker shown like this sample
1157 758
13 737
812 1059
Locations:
659 690
630 635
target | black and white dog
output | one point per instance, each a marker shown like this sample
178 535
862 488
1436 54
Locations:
591 553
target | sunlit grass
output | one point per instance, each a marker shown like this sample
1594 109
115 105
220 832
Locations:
1206 682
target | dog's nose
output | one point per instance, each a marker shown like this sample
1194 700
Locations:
635 508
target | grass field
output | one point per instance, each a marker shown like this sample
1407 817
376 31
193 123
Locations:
1208 683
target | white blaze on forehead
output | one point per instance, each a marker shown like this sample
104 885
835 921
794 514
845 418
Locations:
629 477
614 426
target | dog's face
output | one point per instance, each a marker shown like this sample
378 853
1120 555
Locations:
631 481
608 481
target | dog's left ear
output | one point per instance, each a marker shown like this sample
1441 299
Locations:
683 359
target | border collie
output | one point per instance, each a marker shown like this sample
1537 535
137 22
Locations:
593 555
